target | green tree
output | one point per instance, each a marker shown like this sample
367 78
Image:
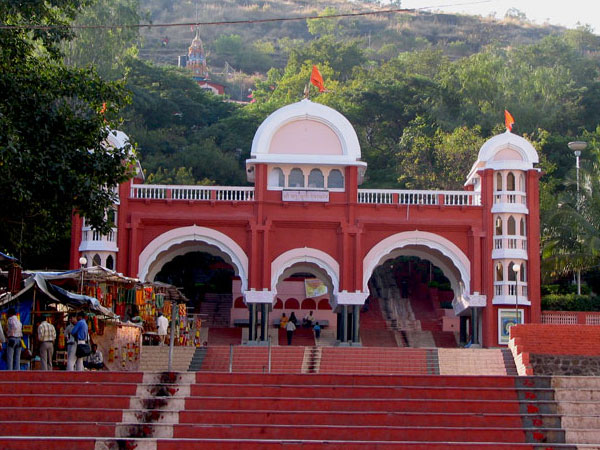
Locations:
105 50
52 154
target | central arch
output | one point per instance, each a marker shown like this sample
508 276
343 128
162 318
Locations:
183 240
443 253
310 260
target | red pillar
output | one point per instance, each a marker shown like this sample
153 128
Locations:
533 245
490 325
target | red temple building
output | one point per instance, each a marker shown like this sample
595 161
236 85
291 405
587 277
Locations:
306 218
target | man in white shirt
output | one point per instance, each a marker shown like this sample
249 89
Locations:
46 336
162 324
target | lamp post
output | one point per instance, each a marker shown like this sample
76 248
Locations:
577 147
516 269
82 263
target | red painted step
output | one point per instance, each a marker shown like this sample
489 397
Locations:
346 418
262 444
429 434
76 377
298 404
359 380
72 401
75 429
224 336
63 414
346 392
63 388
301 337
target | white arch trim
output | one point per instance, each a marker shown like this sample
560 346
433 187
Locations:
425 239
161 245
305 255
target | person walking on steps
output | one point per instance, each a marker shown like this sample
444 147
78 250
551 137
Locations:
290 328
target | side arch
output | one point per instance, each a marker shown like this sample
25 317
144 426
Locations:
396 244
165 247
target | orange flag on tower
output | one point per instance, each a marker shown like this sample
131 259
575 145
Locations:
508 120
317 79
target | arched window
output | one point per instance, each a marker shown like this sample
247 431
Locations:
510 181
499 272
498 226
296 178
512 226
316 179
276 178
498 181
96 260
110 263
522 183
522 227
335 179
512 276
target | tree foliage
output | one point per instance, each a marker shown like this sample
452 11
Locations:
54 121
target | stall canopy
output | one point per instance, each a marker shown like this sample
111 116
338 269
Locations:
59 295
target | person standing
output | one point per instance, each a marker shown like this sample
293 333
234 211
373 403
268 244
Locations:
71 346
80 333
162 324
290 328
46 336
14 331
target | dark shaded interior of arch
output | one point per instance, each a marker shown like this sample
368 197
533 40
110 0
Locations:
410 270
198 273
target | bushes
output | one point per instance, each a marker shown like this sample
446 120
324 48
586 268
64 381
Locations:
570 302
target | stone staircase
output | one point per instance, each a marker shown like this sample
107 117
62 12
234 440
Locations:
578 400
216 309
168 411
312 360
156 358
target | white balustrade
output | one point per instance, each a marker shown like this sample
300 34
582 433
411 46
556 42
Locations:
181 192
510 197
510 242
413 197
504 288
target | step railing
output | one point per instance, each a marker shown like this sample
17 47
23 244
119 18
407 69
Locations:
414 197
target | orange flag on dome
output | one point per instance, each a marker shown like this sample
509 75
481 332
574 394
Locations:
509 120
317 79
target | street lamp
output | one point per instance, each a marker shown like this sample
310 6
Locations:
577 147
516 269
82 263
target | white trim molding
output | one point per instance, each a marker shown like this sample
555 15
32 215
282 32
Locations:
182 240
458 272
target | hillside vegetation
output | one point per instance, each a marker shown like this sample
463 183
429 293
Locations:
423 92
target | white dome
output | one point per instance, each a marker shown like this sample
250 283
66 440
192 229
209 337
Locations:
306 133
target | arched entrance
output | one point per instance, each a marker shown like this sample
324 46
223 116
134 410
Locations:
292 275
406 271
202 261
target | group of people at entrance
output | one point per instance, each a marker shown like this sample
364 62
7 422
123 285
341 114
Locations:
289 325
77 336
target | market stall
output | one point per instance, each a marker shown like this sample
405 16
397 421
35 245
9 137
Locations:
119 311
